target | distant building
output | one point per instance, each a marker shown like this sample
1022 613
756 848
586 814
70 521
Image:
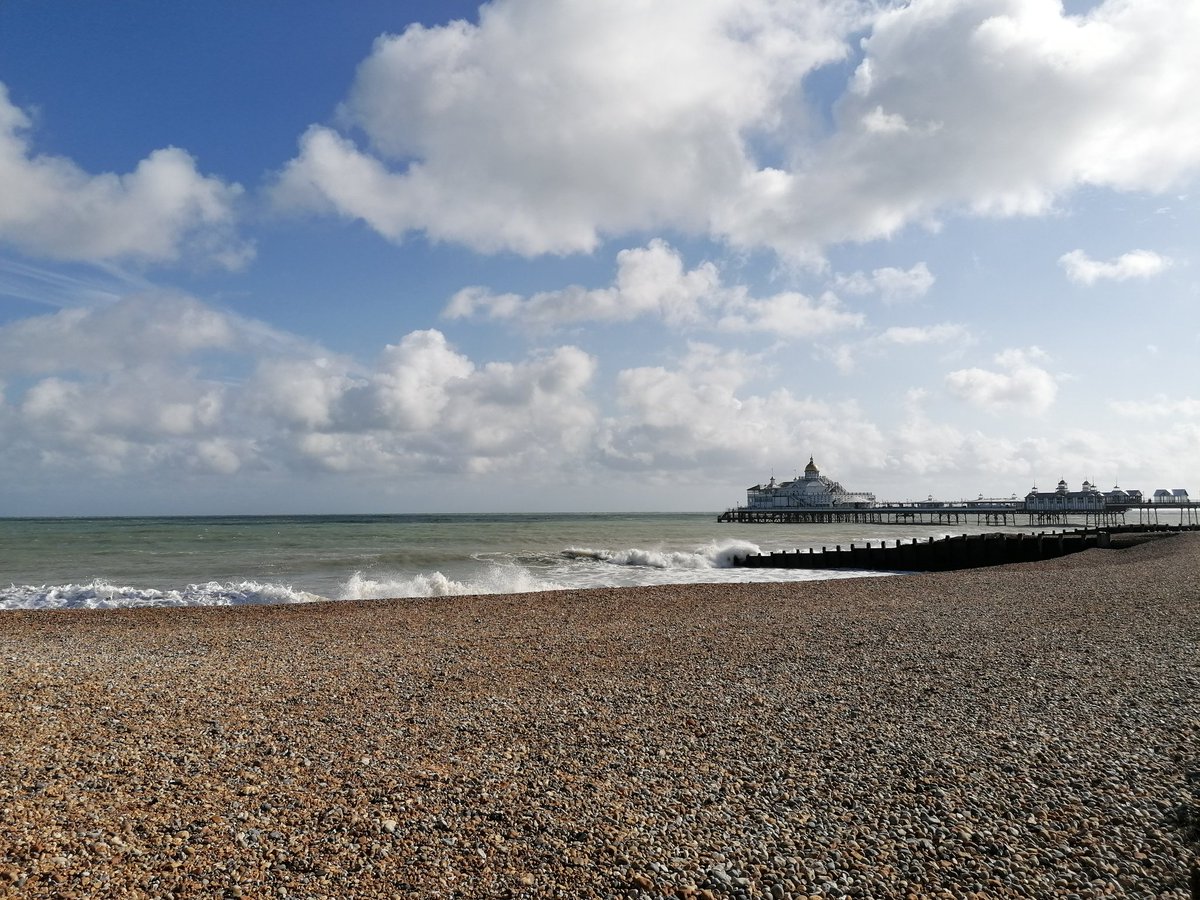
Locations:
1162 495
1062 499
1118 497
813 491
1179 495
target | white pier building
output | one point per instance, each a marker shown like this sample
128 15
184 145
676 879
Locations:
813 491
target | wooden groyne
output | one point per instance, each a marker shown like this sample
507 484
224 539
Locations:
967 551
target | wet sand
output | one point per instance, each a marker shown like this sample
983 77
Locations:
1024 731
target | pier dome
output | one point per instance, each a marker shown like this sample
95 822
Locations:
811 471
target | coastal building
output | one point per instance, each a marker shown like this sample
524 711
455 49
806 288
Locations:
1062 499
1175 495
812 491
816 499
1118 497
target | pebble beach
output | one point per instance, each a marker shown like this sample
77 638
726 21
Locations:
1021 731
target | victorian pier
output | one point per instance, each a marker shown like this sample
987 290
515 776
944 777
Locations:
983 512
816 499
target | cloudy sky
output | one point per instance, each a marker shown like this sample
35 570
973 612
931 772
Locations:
550 255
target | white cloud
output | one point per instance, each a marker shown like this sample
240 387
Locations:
550 125
1020 385
134 385
883 123
933 453
230 402
845 356
893 285
698 417
425 407
108 338
147 402
166 383
1082 269
942 333
788 314
300 392
428 408
162 210
652 281
1157 407
1007 105
927 451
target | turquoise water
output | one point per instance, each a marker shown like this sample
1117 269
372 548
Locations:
284 559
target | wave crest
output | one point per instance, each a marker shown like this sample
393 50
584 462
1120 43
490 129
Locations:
716 555
101 594
496 580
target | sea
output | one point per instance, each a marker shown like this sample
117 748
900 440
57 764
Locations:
68 563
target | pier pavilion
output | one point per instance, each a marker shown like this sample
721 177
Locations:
818 500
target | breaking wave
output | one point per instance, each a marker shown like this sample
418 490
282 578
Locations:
495 579
102 595
577 567
717 555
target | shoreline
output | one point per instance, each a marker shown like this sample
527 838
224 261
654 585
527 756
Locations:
1023 730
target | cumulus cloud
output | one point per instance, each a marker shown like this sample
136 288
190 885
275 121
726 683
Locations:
167 383
1005 106
548 126
1082 269
156 328
135 384
699 415
891 284
428 409
650 281
160 385
653 281
86 396
1020 384
161 211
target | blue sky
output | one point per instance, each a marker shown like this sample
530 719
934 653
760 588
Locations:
315 257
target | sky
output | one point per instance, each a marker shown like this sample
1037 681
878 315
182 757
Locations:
543 255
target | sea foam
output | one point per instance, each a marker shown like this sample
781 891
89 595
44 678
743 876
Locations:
716 555
102 595
496 579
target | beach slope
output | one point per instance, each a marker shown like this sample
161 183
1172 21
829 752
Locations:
1024 731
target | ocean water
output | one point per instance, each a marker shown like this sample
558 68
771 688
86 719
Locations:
117 562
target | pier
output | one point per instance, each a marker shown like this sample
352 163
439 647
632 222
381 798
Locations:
954 552
816 499
979 512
